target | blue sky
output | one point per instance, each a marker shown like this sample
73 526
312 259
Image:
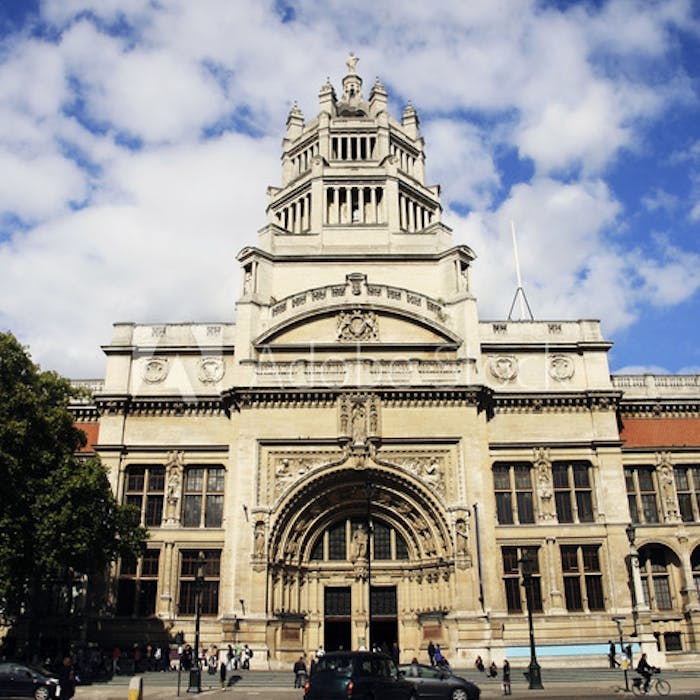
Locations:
137 140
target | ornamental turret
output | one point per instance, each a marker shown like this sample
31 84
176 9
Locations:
353 176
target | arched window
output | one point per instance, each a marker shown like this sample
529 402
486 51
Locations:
335 543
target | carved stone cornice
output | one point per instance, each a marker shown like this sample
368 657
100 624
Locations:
660 408
159 405
539 402
272 397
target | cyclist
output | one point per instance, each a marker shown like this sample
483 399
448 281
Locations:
645 669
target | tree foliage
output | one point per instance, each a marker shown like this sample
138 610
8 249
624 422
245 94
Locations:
58 515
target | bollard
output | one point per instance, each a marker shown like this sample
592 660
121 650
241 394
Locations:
136 688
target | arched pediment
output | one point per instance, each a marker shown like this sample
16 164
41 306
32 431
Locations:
344 491
352 324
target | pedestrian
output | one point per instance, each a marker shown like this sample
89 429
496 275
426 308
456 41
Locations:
493 670
66 678
506 677
611 654
395 653
300 673
222 673
431 652
116 656
479 664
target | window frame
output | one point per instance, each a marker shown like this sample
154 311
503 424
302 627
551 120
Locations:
639 496
570 496
141 576
584 585
512 507
204 495
146 493
513 582
211 585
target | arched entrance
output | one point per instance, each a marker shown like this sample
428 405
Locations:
359 555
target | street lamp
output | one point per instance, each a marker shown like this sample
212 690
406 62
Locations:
369 488
631 533
618 621
196 671
534 677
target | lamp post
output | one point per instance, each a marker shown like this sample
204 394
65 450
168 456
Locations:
196 671
618 622
631 533
534 677
369 488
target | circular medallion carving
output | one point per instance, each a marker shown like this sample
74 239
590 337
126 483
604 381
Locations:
211 370
561 367
155 370
504 367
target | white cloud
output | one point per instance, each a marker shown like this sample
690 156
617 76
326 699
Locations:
157 237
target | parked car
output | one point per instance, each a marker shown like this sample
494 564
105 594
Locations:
359 675
22 681
438 683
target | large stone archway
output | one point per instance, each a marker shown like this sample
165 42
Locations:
420 582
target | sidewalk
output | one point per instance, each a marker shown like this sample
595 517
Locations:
596 684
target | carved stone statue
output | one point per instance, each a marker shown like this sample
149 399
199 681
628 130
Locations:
259 540
359 423
545 490
351 63
174 467
462 537
664 468
358 548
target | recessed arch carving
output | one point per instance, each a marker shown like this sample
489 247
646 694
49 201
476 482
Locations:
398 500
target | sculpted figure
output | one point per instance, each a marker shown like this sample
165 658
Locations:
259 539
359 543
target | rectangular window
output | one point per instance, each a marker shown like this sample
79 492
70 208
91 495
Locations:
514 494
688 490
337 544
641 494
381 535
572 492
137 586
203 501
337 602
515 591
144 488
583 581
209 586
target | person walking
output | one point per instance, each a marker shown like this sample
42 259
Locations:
300 673
66 678
431 652
611 654
506 677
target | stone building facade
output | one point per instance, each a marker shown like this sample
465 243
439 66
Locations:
363 460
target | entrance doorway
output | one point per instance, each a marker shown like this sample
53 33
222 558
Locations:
336 618
384 627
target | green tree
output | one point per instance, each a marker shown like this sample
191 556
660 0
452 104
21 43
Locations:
58 516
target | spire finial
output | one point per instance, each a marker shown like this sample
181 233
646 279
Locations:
352 63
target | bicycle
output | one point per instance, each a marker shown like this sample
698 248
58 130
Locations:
660 685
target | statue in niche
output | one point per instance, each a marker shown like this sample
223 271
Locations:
359 423
545 490
259 540
462 537
174 467
664 468
358 547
